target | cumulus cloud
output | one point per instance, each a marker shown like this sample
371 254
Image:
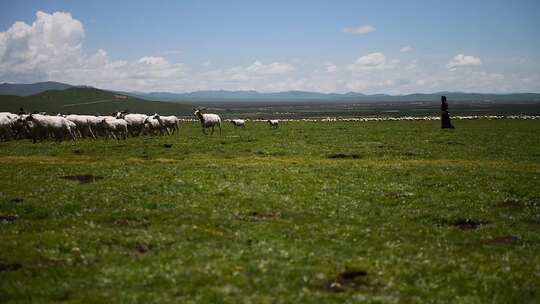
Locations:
372 61
461 60
51 48
406 49
361 30
51 41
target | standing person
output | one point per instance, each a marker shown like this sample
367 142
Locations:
445 116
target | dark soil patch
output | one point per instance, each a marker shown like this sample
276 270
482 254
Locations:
82 179
344 156
468 224
17 200
167 145
128 222
503 240
411 154
141 248
10 266
258 216
8 217
347 280
78 151
145 157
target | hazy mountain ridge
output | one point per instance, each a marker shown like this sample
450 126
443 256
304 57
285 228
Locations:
303 96
286 96
87 100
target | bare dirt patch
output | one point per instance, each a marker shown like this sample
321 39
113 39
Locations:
345 156
78 151
258 216
468 224
141 248
503 240
349 280
167 145
82 179
8 217
9 266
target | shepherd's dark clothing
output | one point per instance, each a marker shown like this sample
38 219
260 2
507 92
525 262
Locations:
445 116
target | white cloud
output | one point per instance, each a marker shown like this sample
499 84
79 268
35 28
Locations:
272 68
406 49
364 29
330 67
372 61
461 60
50 48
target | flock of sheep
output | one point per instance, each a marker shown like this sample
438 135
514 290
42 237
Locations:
120 125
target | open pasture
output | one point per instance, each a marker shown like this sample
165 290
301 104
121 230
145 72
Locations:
309 212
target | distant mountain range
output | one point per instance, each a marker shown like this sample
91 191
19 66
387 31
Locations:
288 96
302 96
23 89
86 100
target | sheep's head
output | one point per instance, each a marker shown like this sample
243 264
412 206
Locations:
30 117
119 115
198 113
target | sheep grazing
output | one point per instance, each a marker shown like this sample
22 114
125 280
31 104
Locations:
45 126
115 127
153 126
84 124
6 128
274 123
170 123
208 120
239 123
7 125
135 122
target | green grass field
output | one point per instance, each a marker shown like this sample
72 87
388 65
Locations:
380 212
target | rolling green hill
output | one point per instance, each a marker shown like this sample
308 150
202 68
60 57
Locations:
89 101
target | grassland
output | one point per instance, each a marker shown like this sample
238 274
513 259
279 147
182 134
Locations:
378 212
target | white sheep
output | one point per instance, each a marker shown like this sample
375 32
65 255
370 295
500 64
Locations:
208 120
135 122
274 123
56 126
84 124
170 123
114 127
153 126
239 123
6 128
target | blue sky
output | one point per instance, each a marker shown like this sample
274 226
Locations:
392 47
